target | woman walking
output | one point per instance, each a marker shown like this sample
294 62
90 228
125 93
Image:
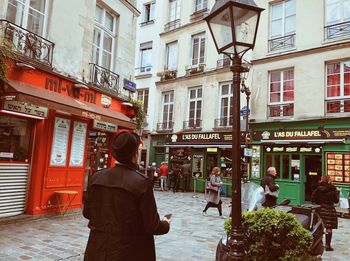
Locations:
214 199
326 195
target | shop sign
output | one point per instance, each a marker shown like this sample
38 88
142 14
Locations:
248 152
304 134
294 149
25 108
56 85
91 115
214 137
101 125
106 100
212 149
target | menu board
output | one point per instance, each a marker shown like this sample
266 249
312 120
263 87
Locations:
78 144
60 142
338 166
255 162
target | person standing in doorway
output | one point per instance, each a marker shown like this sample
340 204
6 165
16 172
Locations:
176 176
270 187
326 195
121 208
163 174
186 175
214 199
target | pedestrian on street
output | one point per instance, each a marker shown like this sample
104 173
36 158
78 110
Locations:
152 172
326 195
214 198
270 187
142 168
163 174
121 208
186 175
176 177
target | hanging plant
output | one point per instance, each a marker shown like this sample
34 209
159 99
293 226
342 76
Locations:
140 114
5 54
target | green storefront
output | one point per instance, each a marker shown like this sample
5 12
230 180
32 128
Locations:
302 151
204 150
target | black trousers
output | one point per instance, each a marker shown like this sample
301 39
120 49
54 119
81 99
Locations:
213 205
186 183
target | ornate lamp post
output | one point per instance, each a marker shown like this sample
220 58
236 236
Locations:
233 25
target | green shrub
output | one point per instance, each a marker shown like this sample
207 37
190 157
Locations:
273 235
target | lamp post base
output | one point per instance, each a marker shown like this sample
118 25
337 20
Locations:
236 244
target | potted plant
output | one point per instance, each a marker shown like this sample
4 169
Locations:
5 54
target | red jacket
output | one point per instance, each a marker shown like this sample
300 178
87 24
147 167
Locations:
163 171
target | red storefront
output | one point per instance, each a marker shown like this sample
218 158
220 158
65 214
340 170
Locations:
54 133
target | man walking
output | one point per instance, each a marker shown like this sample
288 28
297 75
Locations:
271 188
185 170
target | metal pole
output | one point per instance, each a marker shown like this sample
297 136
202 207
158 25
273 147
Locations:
236 234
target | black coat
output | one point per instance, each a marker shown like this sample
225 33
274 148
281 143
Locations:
270 201
122 215
326 195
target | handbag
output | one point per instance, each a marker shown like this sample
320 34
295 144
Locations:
269 192
209 186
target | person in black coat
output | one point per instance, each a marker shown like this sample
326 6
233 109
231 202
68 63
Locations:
269 181
326 195
121 208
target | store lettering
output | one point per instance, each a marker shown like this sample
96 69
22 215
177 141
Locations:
295 134
56 86
201 136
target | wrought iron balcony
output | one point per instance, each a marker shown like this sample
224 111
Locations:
281 110
165 126
338 106
104 79
26 44
337 30
281 43
226 62
172 25
192 124
223 122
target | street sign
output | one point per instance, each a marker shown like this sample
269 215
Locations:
248 152
244 111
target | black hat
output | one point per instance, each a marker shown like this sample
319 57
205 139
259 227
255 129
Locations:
125 145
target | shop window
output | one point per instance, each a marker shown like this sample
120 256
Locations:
277 164
268 161
295 167
14 139
285 167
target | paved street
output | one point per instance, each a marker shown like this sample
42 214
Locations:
192 236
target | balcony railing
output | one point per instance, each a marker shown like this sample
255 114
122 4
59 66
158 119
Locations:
104 79
338 106
226 62
192 124
172 25
223 122
144 70
30 46
165 126
337 30
281 43
147 22
198 15
281 110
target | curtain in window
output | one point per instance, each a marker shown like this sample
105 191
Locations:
171 58
337 11
283 18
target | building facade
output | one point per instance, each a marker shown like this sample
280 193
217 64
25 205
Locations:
300 95
64 98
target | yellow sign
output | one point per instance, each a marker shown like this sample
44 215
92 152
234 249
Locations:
212 149
312 173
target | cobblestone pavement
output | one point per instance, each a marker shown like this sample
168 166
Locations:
192 236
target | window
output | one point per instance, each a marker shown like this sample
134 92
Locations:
226 100
171 56
282 25
146 57
104 34
174 10
195 107
29 14
168 108
198 49
142 95
337 18
338 87
200 5
281 93
14 138
337 11
148 14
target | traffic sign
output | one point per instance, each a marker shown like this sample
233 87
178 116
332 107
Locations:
244 111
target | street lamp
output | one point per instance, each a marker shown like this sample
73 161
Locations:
233 25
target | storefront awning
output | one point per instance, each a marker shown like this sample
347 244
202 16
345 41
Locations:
24 92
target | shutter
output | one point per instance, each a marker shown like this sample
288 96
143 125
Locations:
13 188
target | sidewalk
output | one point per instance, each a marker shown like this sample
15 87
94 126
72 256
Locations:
192 236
